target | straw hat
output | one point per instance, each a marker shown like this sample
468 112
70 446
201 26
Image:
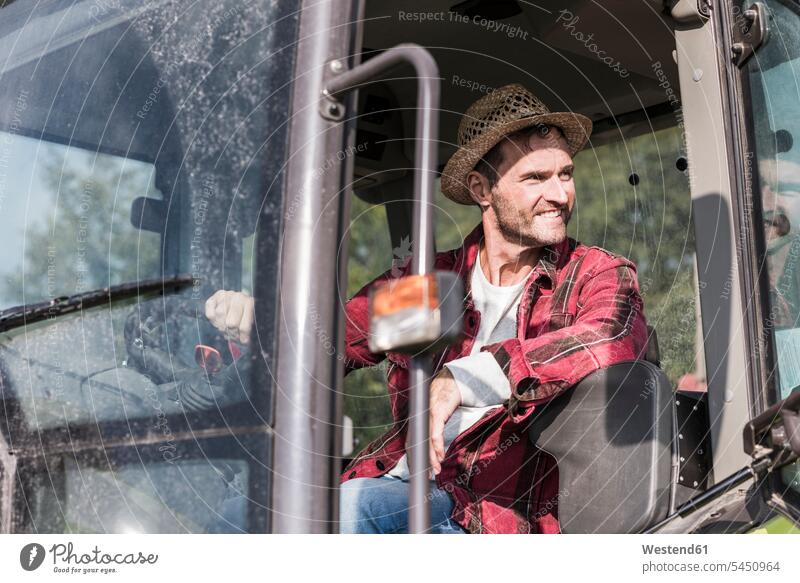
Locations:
490 119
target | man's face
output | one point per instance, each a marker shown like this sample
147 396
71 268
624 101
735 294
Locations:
535 195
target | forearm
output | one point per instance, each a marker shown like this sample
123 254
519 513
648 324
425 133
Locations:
480 380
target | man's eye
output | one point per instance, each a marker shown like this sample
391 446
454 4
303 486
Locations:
566 175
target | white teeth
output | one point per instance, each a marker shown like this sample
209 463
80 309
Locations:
551 213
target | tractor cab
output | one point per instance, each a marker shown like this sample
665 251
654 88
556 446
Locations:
153 154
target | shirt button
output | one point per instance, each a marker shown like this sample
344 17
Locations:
380 465
352 475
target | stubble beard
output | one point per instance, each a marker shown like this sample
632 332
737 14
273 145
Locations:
521 228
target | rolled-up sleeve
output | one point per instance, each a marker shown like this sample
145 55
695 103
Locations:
480 380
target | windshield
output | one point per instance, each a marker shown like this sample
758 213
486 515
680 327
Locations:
139 141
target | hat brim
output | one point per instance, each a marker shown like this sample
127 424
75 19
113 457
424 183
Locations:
576 128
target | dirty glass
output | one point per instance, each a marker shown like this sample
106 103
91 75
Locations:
173 487
140 143
774 76
68 224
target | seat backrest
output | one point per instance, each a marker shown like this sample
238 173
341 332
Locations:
611 437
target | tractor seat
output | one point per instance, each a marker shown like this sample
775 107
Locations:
611 436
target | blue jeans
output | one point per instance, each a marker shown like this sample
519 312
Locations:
380 506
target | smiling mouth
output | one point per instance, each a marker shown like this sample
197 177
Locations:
550 214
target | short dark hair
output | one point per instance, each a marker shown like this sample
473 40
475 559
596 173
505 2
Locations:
487 166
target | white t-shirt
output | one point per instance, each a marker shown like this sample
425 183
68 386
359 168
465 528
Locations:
482 382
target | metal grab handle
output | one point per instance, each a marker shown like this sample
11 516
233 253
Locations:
425 167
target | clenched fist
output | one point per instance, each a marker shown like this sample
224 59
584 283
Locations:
231 313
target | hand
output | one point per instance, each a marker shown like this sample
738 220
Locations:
445 399
231 313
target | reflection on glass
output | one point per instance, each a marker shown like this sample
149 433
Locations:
138 141
133 361
66 228
775 95
198 496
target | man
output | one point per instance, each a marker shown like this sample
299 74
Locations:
541 312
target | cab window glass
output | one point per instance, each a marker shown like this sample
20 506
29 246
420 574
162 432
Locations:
140 146
67 221
453 221
366 400
171 487
132 151
632 198
774 94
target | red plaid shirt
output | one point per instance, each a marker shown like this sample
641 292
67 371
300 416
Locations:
580 311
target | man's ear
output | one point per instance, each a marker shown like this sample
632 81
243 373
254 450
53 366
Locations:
479 189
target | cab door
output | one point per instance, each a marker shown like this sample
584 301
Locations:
763 44
141 148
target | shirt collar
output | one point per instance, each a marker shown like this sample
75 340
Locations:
551 260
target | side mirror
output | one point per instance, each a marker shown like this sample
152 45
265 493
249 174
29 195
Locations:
416 312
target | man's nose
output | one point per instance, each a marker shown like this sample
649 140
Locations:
555 193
